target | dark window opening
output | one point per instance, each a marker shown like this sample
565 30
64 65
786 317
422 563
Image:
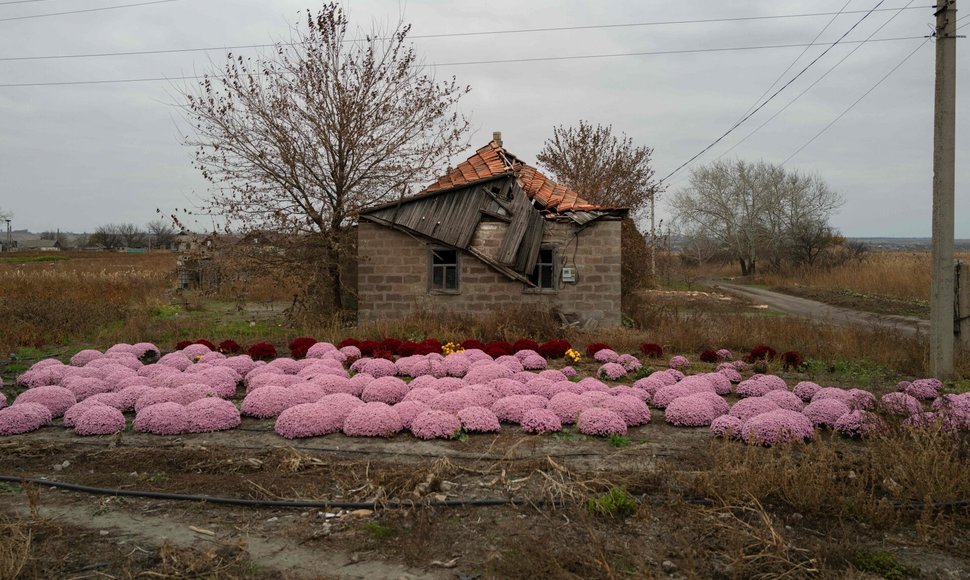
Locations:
444 269
544 276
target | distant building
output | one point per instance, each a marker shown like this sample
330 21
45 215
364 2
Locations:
42 245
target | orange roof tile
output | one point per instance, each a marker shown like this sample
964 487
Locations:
493 160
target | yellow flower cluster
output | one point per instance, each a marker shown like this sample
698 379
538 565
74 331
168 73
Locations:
573 356
452 348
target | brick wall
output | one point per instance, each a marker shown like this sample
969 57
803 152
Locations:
393 274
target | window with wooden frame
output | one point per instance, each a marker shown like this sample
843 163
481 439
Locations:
444 270
544 275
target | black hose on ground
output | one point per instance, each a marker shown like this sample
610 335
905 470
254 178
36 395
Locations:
352 505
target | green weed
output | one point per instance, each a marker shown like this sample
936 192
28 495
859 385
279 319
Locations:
619 441
379 531
616 502
883 564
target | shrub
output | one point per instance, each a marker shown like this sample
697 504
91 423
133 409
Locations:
407 348
791 360
205 343
368 347
616 502
594 347
299 346
762 352
525 344
502 347
229 347
435 424
349 342
262 351
651 350
391 345
554 348
709 356
473 343
180 345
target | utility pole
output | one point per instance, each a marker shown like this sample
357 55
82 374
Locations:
653 238
944 125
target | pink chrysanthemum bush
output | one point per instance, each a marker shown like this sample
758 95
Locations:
539 421
785 400
479 420
806 390
211 414
100 420
731 373
776 427
633 410
825 412
388 390
23 418
611 372
56 399
752 406
567 406
695 410
308 420
726 426
600 422
759 385
534 362
511 409
900 404
373 420
858 423
924 389
679 362
267 402
162 419
606 355
408 410
434 424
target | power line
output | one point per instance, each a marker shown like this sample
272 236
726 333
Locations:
769 99
856 102
480 62
811 86
86 10
452 34
799 57
22 1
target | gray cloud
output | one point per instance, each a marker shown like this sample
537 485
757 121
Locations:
74 157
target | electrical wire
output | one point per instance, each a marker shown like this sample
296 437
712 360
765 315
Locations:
769 99
811 86
447 35
86 10
479 62
865 94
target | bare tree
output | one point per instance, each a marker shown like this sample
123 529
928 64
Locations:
606 169
131 236
160 232
107 236
300 140
756 210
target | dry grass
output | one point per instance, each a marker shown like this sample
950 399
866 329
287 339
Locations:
15 543
896 275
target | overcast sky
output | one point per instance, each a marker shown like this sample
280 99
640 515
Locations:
76 156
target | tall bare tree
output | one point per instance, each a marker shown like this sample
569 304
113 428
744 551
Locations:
160 232
300 140
755 210
605 168
609 170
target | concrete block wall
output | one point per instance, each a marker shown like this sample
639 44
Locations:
393 274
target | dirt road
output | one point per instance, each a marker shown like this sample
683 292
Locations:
823 312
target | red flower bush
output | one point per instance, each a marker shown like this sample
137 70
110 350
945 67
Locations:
525 344
262 351
384 354
349 342
473 343
708 356
792 360
594 347
502 347
205 343
299 346
762 352
229 347
407 348
180 345
554 348
391 345
652 350
367 347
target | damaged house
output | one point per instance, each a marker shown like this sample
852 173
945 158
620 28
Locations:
492 233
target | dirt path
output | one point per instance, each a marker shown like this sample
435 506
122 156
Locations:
824 312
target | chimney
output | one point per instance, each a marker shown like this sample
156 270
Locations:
497 138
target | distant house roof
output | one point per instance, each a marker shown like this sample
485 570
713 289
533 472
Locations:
493 160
